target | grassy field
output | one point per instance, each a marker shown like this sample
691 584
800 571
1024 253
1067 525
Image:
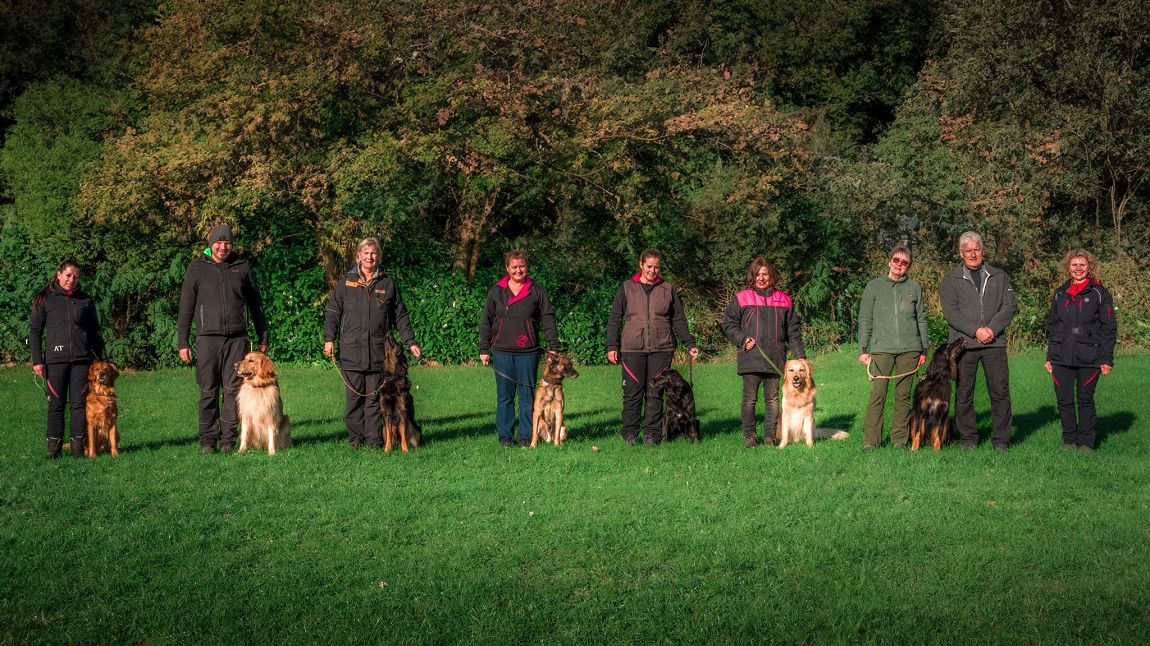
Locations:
465 541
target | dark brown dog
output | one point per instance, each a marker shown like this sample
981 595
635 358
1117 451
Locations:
101 411
678 406
395 401
547 418
930 410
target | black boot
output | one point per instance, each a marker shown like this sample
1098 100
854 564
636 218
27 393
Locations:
78 446
54 446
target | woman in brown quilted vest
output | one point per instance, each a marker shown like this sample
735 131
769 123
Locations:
647 320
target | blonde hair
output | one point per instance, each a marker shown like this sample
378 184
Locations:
1091 261
367 242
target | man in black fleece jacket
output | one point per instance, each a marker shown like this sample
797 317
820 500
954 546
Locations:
219 290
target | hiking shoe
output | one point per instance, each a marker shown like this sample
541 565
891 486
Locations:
768 441
749 441
650 440
629 438
1067 446
524 442
225 448
868 447
1085 448
969 446
355 444
207 449
506 443
1002 448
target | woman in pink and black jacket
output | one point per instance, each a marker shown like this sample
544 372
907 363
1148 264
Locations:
761 323
1081 332
516 308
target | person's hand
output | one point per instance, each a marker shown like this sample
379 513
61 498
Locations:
694 353
864 359
984 335
1049 368
38 370
328 348
612 356
485 359
186 355
416 352
921 359
1106 368
748 344
263 348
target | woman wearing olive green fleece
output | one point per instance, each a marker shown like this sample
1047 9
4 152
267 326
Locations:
892 341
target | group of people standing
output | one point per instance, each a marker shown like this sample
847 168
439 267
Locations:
646 324
978 304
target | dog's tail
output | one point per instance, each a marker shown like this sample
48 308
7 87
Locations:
831 433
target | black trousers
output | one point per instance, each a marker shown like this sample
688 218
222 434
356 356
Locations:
1077 426
361 414
216 357
997 376
67 387
770 386
638 369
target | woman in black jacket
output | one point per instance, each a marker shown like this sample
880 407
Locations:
363 309
64 336
515 310
1081 332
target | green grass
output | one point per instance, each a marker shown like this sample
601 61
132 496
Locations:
464 541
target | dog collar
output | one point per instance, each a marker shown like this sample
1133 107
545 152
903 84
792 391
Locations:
550 383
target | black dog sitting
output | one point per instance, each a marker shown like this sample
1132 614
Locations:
930 410
678 406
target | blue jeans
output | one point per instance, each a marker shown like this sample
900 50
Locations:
521 368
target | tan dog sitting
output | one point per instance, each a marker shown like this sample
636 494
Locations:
547 420
101 411
797 409
262 421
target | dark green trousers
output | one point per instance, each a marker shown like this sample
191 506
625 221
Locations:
889 364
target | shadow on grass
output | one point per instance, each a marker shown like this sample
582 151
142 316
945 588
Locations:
1113 424
1027 423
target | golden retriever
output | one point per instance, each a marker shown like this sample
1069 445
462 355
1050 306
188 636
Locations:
100 410
797 409
547 416
262 421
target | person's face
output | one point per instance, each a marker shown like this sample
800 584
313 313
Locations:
1079 269
368 259
649 270
517 269
898 264
763 278
971 255
221 249
67 278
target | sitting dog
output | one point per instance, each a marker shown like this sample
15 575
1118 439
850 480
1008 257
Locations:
100 410
547 418
262 420
797 408
678 406
930 408
395 401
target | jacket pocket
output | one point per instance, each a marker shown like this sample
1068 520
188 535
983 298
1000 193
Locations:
1087 353
662 339
633 337
906 304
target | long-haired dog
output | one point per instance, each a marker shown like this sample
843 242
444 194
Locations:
262 420
395 401
797 408
678 406
547 417
930 409
101 411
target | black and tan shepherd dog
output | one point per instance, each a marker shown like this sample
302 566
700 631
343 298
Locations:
547 417
930 410
395 401
678 406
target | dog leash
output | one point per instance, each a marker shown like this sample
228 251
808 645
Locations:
47 385
339 370
872 377
768 360
508 378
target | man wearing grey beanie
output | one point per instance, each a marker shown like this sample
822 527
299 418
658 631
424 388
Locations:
218 293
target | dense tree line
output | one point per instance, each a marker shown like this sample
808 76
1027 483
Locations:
815 132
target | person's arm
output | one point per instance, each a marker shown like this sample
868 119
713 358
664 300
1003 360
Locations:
188 294
732 323
615 319
1052 323
95 335
36 335
866 320
951 309
256 307
547 319
923 328
332 316
1108 326
795 335
1007 308
679 322
403 322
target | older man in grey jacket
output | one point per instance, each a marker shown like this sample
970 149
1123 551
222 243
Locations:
978 304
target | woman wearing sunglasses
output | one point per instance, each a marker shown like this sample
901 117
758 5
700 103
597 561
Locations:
892 343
